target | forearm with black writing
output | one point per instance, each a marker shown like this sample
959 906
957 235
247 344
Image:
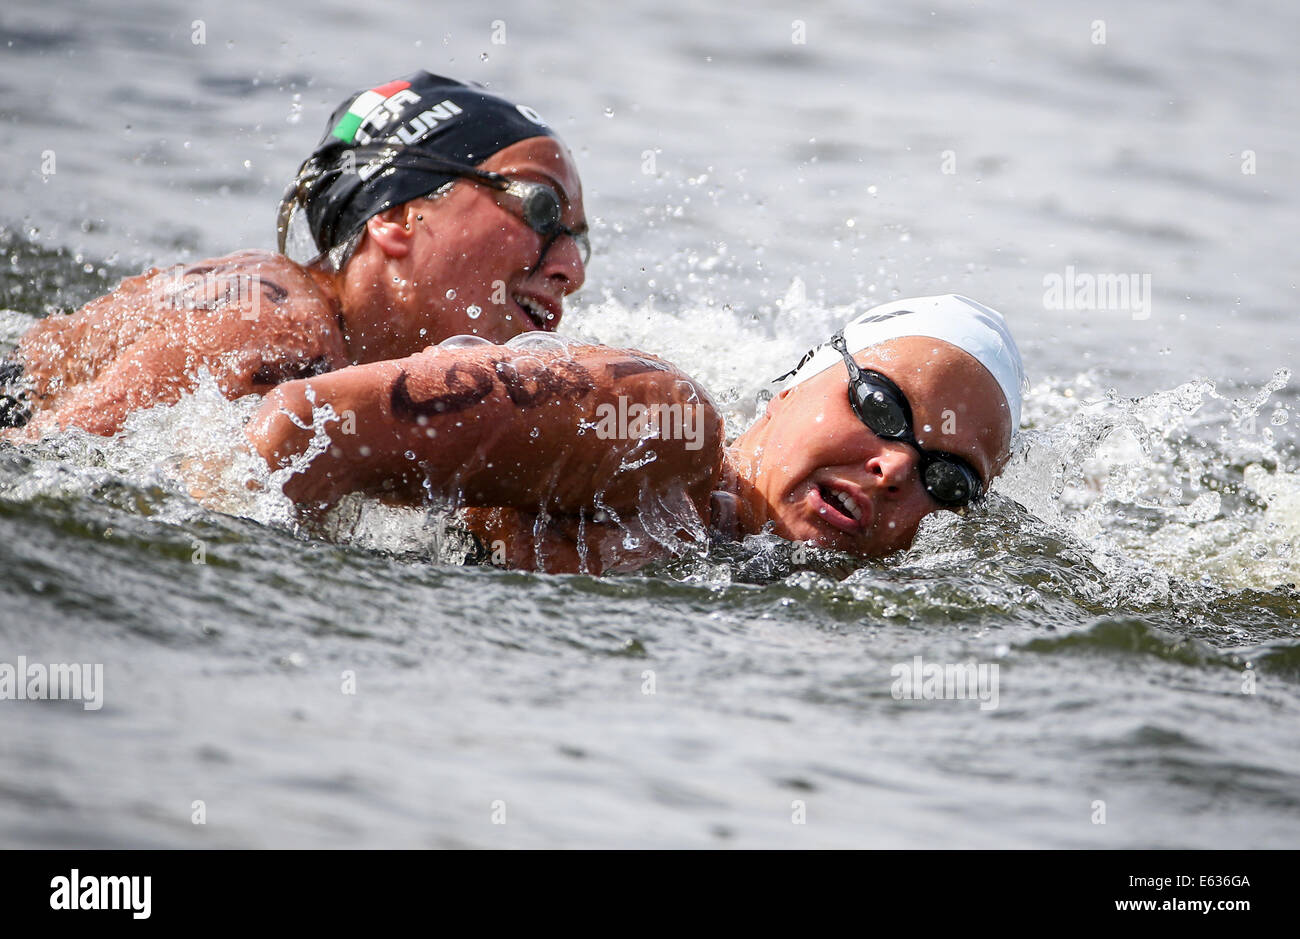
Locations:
495 426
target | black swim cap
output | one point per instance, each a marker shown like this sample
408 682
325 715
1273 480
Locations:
351 175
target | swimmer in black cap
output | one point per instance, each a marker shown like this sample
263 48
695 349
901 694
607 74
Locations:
429 209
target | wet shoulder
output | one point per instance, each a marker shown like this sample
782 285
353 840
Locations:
252 276
246 281
287 322
265 298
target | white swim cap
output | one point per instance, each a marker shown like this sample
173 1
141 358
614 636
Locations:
968 325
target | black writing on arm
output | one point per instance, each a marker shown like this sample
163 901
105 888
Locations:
634 365
469 383
275 373
539 385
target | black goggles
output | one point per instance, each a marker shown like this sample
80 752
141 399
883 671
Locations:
882 406
539 206
536 203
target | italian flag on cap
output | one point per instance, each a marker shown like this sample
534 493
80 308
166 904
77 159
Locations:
367 101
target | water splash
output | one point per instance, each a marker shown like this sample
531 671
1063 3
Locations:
1126 502
1176 483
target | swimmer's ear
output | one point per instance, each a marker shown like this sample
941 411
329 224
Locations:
391 230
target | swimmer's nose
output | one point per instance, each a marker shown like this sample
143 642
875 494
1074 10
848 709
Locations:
563 265
893 467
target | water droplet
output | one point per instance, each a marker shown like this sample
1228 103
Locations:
410 454
1280 417
451 294
482 56
534 433
1259 552
423 332
473 312
927 428
609 112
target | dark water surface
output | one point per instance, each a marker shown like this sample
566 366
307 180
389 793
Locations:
1133 575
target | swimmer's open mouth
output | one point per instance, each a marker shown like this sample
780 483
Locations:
544 314
837 506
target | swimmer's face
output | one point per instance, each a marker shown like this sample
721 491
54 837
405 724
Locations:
469 265
816 451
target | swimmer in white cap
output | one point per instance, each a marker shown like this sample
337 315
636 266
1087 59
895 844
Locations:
909 409
937 382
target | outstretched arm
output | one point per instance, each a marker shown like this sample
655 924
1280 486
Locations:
536 429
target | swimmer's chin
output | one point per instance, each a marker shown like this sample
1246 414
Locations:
803 531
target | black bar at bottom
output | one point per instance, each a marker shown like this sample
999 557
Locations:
617 889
